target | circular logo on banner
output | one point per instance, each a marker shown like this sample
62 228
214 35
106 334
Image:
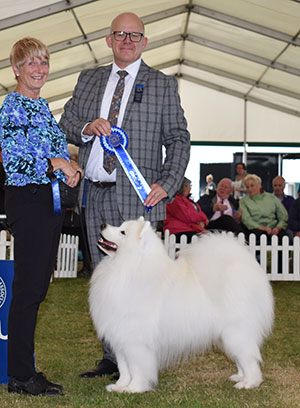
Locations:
2 292
117 138
114 140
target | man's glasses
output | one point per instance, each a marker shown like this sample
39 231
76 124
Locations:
122 35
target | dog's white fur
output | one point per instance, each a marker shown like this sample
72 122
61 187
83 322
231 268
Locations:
153 310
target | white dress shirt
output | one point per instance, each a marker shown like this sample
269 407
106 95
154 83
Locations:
94 169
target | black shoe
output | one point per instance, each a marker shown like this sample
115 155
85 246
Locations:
49 383
84 273
104 367
36 385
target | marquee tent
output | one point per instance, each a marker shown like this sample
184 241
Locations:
237 61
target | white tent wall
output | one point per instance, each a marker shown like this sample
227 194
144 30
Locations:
271 126
217 117
212 116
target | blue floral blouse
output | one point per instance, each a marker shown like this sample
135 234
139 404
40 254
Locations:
29 135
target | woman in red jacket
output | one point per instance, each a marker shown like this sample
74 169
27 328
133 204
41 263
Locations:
184 216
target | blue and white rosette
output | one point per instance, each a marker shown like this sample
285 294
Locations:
117 144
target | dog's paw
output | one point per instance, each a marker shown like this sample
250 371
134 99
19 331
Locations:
138 388
114 387
247 384
236 378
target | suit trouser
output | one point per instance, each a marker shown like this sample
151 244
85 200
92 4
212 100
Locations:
101 208
36 232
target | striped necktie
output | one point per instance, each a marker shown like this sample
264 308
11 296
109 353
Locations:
109 160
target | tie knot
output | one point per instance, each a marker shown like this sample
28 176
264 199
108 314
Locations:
122 74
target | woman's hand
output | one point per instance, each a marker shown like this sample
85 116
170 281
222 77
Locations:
275 231
79 171
71 170
267 229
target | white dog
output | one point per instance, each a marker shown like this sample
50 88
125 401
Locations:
153 310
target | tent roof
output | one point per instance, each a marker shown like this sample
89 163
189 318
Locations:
249 49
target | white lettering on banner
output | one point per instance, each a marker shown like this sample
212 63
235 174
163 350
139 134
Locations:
2 336
2 292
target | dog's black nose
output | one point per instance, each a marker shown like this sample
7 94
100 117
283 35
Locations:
102 227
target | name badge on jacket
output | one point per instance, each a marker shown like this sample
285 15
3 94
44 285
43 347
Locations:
138 95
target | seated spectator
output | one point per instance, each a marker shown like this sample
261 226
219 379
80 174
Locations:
221 208
294 217
210 185
184 216
262 212
239 189
278 190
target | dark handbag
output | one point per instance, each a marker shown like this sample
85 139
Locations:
68 195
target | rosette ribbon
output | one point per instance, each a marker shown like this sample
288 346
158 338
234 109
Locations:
117 144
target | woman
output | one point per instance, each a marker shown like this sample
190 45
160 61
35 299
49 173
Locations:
184 216
32 146
239 189
262 212
210 185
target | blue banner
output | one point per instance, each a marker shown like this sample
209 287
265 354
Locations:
6 278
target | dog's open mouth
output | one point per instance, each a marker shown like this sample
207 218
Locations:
106 246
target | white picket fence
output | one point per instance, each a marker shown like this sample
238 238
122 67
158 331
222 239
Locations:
67 257
67 254
6 246
266 254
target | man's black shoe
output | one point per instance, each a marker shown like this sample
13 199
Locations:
36 385
104 367
84 273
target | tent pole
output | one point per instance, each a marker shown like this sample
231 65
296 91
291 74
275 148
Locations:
245 133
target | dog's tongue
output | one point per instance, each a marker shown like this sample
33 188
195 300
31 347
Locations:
106 245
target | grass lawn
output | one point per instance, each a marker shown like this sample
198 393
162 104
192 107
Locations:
66 345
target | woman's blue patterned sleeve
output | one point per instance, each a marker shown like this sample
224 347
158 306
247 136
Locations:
29 135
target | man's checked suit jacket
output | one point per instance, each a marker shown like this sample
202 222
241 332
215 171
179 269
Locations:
158 120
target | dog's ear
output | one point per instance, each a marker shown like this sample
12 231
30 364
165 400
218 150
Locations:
141 218
145 228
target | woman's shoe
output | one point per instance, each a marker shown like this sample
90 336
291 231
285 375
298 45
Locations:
35 385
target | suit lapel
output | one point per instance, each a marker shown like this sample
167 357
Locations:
141 79
103 74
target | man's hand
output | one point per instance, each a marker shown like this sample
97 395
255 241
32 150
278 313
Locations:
219 207
98 127
156 194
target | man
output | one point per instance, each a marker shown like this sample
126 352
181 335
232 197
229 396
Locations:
221 208
151 115
278 190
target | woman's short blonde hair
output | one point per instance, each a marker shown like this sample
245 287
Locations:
30 48
253 177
